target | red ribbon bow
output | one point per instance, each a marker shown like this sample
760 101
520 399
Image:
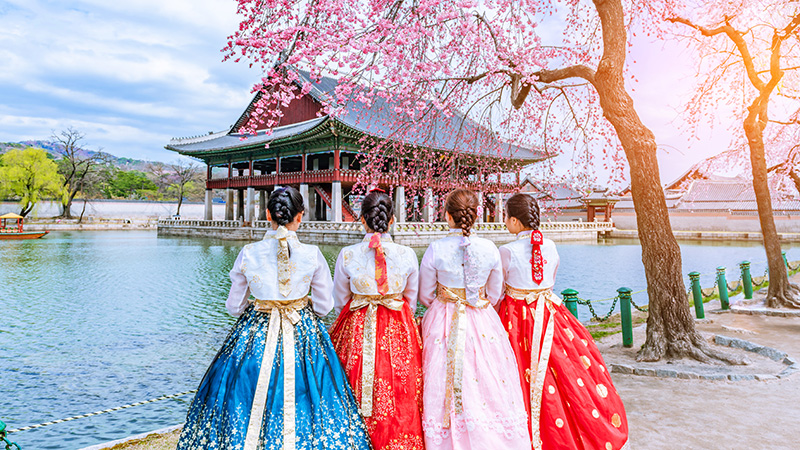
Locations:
537 263
381 277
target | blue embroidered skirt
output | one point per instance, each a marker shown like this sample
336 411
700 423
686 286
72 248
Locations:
326 413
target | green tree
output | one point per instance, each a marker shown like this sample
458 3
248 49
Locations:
30 176
130 184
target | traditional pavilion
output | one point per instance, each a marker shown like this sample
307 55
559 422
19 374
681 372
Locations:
319 154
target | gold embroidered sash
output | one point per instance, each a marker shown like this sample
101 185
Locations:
456 341
284 315
539 359
284 269
371 302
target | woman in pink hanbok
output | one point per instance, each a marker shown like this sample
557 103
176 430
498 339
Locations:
472 398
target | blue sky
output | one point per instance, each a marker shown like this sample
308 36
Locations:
133 74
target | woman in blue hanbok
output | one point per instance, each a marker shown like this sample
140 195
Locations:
277 382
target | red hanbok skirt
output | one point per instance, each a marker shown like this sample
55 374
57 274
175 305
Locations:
580 408
396 421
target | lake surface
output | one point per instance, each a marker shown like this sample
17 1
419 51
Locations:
94 320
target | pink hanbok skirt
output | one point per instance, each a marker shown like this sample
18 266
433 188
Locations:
494 415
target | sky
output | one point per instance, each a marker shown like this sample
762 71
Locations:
132 75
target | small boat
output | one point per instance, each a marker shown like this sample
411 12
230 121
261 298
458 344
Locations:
9 231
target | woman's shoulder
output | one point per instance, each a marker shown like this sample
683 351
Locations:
484 244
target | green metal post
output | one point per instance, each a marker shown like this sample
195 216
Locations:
571 300
747 280
785 261
697 295
625 316
722 284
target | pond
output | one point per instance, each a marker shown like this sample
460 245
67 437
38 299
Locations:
94 320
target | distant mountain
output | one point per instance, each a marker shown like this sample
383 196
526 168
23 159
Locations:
55 149
783 172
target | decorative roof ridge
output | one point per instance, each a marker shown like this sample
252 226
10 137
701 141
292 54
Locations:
199 138
283 127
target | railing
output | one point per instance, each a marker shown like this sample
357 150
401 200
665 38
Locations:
199 223
406 227
696 295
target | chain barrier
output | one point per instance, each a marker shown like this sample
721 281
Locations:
759 283
96 413
10 445
592 311
737 284
788 264
640 308
710 290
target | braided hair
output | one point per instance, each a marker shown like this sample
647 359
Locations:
524 208
462 205
377 211
285 204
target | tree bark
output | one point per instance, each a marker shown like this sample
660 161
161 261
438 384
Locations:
671 330
80 219
780 293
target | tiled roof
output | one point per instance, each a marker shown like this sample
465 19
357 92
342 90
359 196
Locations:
454 133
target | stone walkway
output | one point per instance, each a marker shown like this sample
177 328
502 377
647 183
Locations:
672 413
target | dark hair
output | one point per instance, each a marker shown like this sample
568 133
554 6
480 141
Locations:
284 204
377 210
524 208
462 205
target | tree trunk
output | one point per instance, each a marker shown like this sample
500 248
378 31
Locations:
671 331
780 293
26 209
180 201
66 212
80 219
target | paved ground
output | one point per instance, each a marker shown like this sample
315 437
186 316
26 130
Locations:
698 414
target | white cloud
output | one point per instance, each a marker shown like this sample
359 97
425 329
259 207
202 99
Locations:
126 74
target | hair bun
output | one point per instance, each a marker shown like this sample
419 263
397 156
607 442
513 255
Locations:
284 204
377 210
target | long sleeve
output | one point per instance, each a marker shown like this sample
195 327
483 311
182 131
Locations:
494 284
427 278
412 283
322 287
341 285
240 291
505 260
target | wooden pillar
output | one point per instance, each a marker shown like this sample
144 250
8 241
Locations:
312 204
607 212
240 204
262 205
277 164
209 211
250 215
481 208
428 211
229 204
400 204
589 213
306 205
336 201
499 210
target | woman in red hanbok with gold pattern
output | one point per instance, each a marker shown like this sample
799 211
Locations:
572 403
375 336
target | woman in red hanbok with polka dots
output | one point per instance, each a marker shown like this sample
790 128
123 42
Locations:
571 401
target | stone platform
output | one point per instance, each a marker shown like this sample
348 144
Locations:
414 234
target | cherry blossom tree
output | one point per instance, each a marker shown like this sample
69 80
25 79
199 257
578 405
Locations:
751 50
539 73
